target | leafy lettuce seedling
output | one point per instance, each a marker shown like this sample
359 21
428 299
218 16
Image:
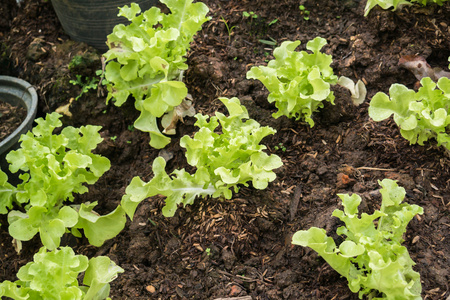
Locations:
223 161
54 276
420 116
298 82
147 60
372 257
56 166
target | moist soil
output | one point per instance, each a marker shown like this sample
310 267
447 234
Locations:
10 118
242 247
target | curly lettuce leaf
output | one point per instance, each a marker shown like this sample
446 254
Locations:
50 224
100 272
146 60
372 257
420 116
234 157
298 82
54 275
98 228
7 192
56 166
222 161
384 4
181 188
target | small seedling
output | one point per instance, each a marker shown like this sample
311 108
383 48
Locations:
76 61
152 222
229 29
250 15
113 138
272 42
280 147
101 75
86 84
273 22
208 251
130 127
305 12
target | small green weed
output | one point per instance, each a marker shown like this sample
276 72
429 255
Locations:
229 29
251 15
305 12
272 42
273 22
86 84
76 61
280 147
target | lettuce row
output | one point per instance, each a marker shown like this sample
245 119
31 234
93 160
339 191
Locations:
55 166
298 82
420 116
372 257
54 276
222 161
386 4
147 58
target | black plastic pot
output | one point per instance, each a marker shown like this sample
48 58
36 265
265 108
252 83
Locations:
91 21
17 92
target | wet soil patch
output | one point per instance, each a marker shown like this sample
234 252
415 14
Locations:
242 247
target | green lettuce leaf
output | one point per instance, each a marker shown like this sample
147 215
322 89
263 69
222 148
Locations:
298 82
100 272
98 228
222 161
56 167
372 257
147 58
54 276
420 116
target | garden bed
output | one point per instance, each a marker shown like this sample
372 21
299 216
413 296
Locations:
242 246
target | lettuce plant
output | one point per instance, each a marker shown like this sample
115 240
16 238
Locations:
298 82
386 4
222 160
55 167
420 116
54 276
147 60
372 257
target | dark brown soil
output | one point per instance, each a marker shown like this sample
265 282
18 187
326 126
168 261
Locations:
241 247
10 118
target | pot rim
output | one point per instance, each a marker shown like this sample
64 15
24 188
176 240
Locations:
19 85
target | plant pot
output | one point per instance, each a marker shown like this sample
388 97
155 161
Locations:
17 92
91 21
